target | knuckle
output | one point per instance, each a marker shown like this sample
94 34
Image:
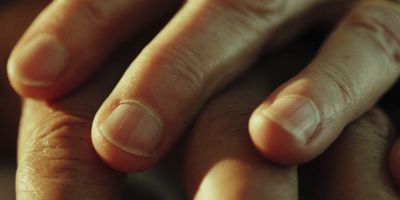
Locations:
260 8
59 158
223 120
189 78
339 82
58 125
379 24
184 70
63 146
258 15
93 11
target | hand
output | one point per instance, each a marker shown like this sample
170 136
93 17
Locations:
203 48
357 64
221 163
22 14
220 154
57 160
15 16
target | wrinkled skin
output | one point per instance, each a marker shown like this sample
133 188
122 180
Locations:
56 159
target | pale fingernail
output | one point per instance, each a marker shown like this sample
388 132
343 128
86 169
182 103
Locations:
133 129
297 115
39 62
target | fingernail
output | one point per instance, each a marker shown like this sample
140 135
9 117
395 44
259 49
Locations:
38 63
297 115
133 129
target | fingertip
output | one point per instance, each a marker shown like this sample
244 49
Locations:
38 61
35 65
128 135
30 89
119 159
275 143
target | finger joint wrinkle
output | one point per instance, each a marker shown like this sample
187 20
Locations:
268 10
381 24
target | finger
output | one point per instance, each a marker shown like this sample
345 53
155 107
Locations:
68 41
22 13
359 62
355 167
205 46
56 159
221 162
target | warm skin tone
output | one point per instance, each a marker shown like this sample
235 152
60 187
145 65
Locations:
56 159
204 47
